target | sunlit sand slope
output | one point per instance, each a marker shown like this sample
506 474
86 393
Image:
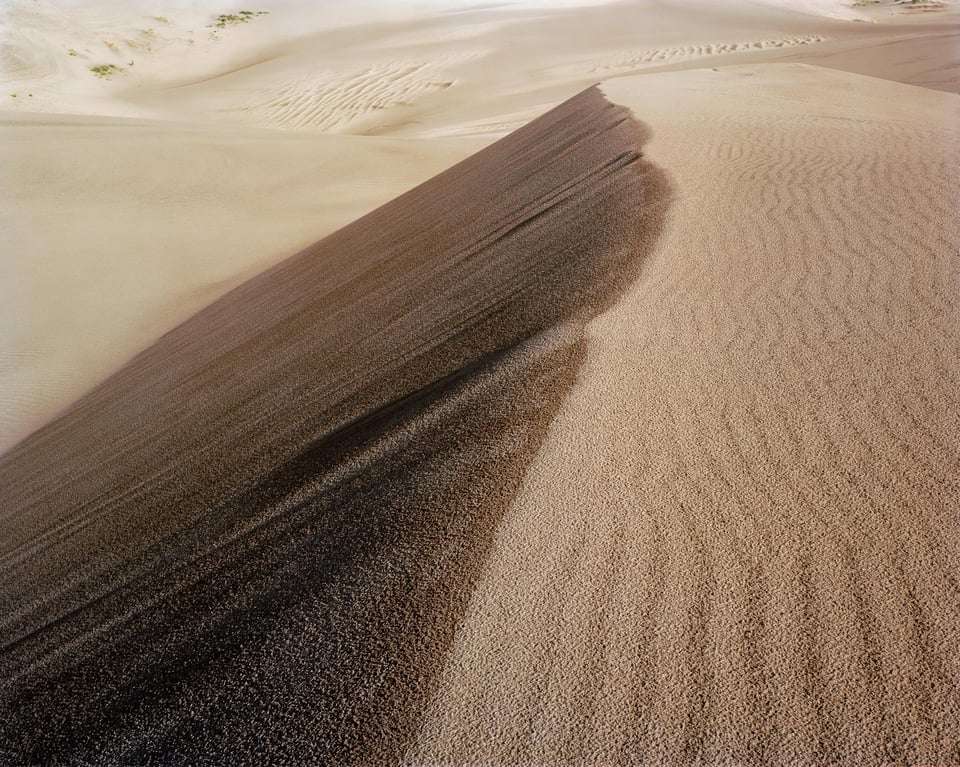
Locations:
739 543
269 520
115 230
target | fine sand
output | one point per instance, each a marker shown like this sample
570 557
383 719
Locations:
632 438
739 543
114 230
286 474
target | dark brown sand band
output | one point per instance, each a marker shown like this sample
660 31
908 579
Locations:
253 543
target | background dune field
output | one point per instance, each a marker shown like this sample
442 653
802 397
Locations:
153 231
438 383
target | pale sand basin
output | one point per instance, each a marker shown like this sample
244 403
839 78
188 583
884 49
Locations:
739 541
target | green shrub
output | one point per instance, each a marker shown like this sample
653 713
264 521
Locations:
106 71
225 20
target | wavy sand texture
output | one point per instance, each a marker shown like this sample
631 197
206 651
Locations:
738 544
659 56
334 102
253 542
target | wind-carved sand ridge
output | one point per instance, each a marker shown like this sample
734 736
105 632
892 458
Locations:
399 499
298 485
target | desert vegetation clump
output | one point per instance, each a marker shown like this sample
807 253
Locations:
225 20
106 71
143 41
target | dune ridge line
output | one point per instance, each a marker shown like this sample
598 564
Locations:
275 513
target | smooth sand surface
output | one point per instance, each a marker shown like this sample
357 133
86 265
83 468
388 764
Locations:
393 500
114 230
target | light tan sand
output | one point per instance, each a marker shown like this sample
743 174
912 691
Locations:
739 542
114 231
152 220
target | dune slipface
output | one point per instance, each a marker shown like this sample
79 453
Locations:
254 541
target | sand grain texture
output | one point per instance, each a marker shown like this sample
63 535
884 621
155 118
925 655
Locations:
739 544
116 223
571 455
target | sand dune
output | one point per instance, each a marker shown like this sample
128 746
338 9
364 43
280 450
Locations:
119 269
738 543
230 469
113 231
630 439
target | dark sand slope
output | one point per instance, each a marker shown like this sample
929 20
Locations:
252 544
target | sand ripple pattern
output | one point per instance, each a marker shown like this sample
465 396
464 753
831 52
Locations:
659 56
335 101
740 543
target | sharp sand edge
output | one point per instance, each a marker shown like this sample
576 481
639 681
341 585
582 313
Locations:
274 515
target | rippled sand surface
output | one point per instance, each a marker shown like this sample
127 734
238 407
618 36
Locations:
739 543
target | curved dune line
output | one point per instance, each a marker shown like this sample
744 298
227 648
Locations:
269 522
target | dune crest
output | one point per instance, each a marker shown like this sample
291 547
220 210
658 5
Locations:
298 484
117 270
546 461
